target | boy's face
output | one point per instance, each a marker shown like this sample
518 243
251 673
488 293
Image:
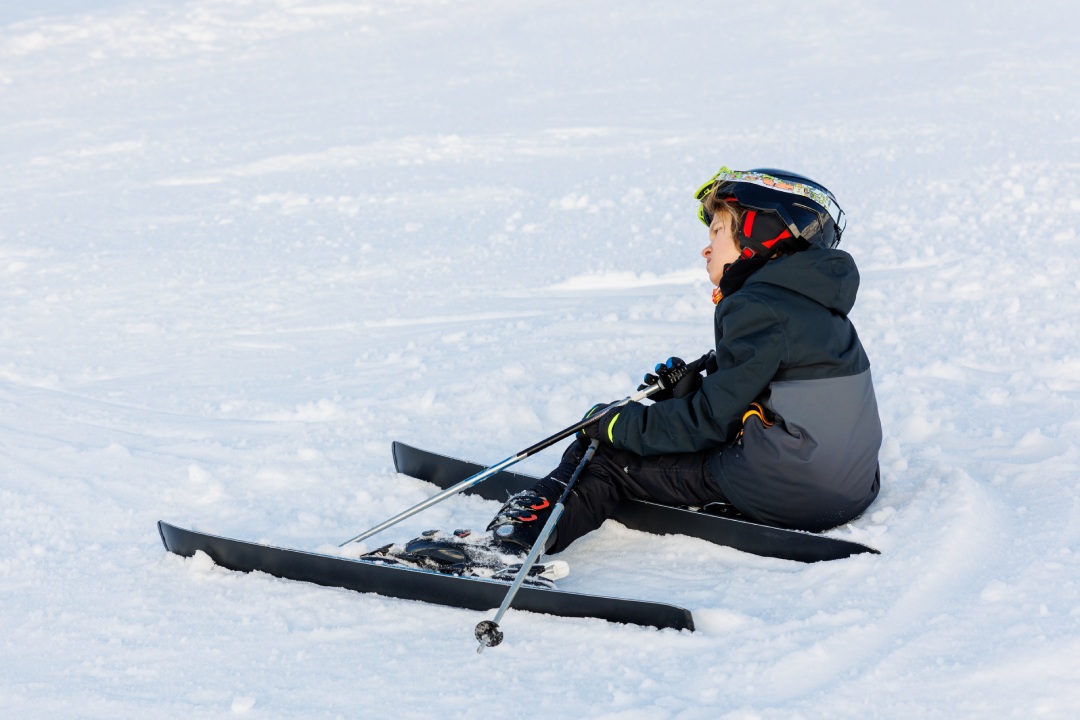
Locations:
721 249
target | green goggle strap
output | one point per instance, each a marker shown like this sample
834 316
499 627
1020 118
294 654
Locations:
768 181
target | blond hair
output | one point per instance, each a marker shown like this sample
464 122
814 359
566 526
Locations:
715 203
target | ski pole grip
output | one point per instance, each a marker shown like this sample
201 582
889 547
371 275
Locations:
702 363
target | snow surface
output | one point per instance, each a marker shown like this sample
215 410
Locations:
245 244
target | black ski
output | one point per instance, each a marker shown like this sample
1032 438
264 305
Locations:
413 584
639 515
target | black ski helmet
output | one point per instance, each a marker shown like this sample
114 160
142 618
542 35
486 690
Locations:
786 211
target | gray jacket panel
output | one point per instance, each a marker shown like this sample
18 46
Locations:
816 466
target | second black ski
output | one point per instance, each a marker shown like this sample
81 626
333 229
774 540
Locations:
649 517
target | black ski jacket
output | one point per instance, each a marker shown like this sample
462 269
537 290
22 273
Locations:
784 341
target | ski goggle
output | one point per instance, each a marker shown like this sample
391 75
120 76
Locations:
746 193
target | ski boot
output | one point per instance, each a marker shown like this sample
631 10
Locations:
520 520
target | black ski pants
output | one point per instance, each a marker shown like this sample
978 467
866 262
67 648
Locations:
615 475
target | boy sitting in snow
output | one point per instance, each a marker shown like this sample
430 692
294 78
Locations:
785 425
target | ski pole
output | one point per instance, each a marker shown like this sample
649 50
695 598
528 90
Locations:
498 467
487 632
483 475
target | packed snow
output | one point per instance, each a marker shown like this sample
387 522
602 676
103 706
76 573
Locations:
246 244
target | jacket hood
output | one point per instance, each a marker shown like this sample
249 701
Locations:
828 277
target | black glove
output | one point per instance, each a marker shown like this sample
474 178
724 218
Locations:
597 430
675 378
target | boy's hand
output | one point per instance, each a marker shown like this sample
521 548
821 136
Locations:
675 378
598 430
